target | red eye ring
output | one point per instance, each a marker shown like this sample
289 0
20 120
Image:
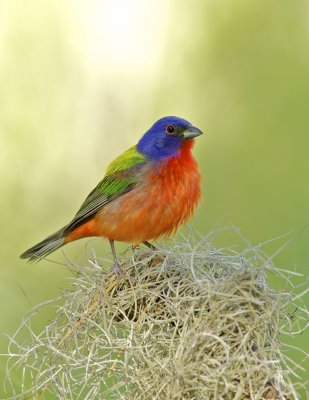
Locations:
170 129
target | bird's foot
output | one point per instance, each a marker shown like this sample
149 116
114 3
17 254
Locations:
118 270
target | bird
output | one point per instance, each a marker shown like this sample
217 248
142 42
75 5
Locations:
147 192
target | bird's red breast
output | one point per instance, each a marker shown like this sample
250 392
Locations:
165 197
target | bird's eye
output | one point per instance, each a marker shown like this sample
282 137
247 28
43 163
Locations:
170 129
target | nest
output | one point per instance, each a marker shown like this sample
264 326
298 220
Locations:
186 322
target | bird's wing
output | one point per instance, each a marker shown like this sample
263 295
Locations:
121 176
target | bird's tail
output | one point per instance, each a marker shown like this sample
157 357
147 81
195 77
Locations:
45 247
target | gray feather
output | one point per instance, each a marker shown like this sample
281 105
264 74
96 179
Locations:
45 247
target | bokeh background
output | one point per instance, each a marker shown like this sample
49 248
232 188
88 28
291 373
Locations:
82 80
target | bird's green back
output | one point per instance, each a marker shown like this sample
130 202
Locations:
121 176
128 159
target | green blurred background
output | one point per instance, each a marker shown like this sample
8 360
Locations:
82 80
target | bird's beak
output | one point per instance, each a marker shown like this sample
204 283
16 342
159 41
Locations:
191 132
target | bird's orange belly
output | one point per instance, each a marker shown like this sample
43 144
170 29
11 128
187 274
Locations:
149 211
139 216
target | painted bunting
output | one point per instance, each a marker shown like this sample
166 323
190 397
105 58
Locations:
148 192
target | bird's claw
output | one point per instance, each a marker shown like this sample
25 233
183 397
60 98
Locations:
118 271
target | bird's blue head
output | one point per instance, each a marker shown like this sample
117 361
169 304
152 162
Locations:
165 138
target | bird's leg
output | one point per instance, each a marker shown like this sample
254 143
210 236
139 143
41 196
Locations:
116 265
150 246
157 258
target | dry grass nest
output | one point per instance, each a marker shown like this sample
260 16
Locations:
187 322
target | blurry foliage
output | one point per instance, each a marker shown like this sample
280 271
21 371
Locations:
237 69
